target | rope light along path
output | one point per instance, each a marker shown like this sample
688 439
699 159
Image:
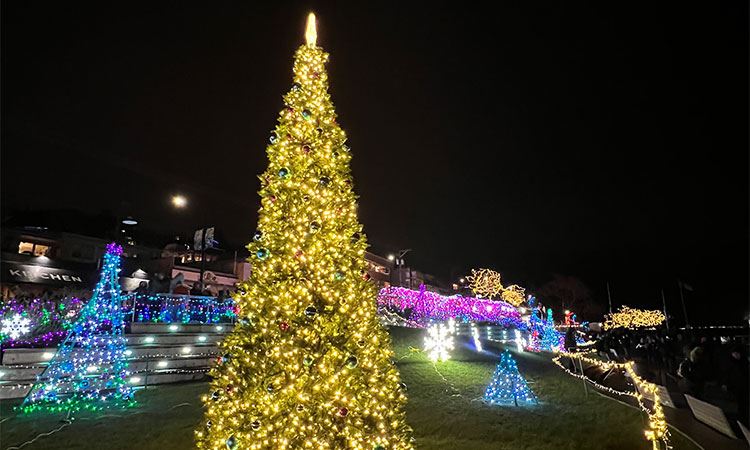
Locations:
657 431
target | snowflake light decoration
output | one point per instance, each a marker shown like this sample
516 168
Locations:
485 283
438 342
16 326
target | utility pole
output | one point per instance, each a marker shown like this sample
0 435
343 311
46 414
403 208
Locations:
664 305
400 265
203 257
684 310
609 296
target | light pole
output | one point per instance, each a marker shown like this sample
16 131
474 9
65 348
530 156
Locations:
180 202
400 265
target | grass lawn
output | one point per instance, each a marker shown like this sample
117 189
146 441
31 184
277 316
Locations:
444 414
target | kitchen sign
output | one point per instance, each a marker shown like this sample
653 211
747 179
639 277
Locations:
25 273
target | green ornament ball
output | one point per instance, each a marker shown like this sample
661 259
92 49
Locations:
307 361
351 362
311 311
231 442
314 227
261 253
306 114
284 172
339 276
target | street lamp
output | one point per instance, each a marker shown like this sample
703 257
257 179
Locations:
180 202
119 230
391 257
129 221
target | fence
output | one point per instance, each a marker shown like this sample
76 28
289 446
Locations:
169 308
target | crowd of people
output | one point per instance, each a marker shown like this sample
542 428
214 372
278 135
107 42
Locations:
693 362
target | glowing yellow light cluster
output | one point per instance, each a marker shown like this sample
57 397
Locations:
485 283
308 364
488 284
514 294
657 431
631 318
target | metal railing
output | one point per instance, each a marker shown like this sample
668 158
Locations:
171 308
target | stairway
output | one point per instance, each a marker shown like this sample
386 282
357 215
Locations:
158 353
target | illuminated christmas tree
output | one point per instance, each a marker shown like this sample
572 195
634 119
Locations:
508 386
308 364
550 340
89 370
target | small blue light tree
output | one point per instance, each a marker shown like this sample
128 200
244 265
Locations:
508 386
89 370
551 340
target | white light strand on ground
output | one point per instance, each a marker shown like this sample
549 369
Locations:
658 430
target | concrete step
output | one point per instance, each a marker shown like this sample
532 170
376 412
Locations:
173 339
165 328
28 373
157 353
139 380
13 356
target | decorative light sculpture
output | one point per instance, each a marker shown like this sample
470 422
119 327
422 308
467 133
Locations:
16 326
89 370
513 294
627 317
438 342
307 365
485 282
425 307
508 386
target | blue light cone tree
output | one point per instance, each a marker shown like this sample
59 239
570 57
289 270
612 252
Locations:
551 340
508 387
89 370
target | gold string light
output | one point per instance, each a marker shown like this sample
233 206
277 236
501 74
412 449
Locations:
485 283
631 318
514 294
657 431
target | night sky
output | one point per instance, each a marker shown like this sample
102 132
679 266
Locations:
606 141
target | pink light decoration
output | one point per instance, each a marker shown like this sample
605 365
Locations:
425 306
114 249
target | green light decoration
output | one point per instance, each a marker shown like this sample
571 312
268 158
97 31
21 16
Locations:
89 369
